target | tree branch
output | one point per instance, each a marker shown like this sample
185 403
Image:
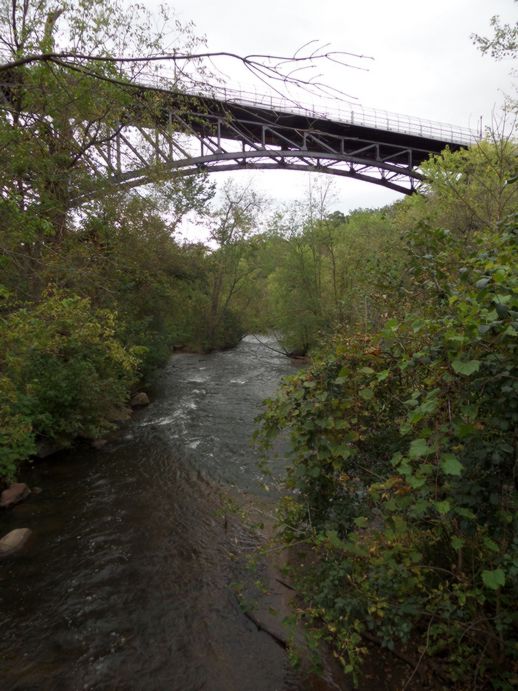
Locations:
267 68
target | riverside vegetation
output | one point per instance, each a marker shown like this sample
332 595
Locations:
403 472
404 466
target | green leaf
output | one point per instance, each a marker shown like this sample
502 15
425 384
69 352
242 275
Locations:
334 540
493 579
466 367
415 482
419 508
491 545
400 525
443 506
396 458
457 542
367 394
465 513
391 325
361 521
418 448
451 465
342 451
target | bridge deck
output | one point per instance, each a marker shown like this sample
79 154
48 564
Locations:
262 125
371 145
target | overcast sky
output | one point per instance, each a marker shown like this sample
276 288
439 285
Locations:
425 63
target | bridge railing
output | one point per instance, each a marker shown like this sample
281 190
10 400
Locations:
336 111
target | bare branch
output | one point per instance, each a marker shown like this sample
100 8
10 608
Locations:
174 57
266 68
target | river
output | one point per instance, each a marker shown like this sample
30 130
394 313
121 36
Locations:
127 583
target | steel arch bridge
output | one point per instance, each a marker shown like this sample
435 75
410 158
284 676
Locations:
234 130
225 130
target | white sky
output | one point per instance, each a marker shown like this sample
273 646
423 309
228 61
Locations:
425 62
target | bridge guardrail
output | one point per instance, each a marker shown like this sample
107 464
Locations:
353 115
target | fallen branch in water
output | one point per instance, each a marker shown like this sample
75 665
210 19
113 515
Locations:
261 627
286 585
275 350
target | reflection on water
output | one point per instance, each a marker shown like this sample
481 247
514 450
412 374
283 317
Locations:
127 582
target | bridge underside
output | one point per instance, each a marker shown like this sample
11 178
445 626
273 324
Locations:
190 135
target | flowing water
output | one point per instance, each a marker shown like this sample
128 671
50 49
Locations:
127 581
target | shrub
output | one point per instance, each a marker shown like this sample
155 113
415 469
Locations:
63 372
404 465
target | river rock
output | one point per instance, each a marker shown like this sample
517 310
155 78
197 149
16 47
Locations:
14 494
140 399
45 447
119 415
99 443
14 541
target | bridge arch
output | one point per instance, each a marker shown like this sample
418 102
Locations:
236 131
357 168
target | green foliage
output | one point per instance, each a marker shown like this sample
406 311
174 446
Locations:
63 374
468 189
16 435
404 466
504 42
328 272
124 292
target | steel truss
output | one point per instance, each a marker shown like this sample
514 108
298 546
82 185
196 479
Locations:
209 135
186 134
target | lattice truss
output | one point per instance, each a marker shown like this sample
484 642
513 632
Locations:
191 142
185 134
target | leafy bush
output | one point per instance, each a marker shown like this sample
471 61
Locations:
404 466
63 372
16 435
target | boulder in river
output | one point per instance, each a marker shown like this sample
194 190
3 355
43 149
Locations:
119 415
45 447
14 494
99 443
140 400
14 541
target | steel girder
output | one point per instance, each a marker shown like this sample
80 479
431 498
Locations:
223 142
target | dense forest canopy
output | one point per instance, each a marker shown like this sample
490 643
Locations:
403 476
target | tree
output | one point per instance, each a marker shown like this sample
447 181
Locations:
327 270
403 464
59 143
232 267
502 45
504 42
51 127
